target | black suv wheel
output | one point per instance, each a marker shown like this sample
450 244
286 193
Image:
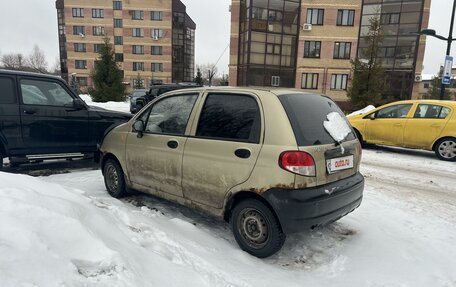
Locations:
256 229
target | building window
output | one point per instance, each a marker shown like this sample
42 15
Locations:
339 81
82 81
156 15
392 18
118 23
273 49
156 33
137 15
117 5
156 67
138 49
98 31
309 81
315 16
156 50
138 83
79 30
275 81
79 47
97 13
138 66
80 64
345 17
97 48
138 32
118 40
426 85
118 57
342 50
312 49
78 12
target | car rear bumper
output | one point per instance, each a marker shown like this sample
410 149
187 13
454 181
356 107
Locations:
300 209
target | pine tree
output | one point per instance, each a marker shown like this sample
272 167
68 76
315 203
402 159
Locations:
368 82
107 77
199 77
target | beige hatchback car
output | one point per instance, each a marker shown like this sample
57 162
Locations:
270 162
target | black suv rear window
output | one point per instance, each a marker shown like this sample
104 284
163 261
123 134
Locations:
307 114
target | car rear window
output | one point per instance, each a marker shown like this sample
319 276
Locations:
307 114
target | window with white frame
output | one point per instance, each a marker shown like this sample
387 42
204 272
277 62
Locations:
97 13
78 12
138 66
275 81
156 15
98 31
157 33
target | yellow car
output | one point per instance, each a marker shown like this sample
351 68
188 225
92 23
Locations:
419 124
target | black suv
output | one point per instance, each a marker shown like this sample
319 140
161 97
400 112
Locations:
41 118
156 91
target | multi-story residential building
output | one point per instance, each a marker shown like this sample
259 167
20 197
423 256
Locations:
309 44
153 40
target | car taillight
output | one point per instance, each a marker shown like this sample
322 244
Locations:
360 152
298 162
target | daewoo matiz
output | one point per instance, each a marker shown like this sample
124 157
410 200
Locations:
419 124
270 162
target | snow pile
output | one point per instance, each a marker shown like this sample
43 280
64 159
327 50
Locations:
115 106
362 111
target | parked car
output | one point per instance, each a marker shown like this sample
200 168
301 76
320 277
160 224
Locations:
41 118
260 159
158 90
134 96
418 124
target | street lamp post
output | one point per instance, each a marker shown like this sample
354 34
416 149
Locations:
431 32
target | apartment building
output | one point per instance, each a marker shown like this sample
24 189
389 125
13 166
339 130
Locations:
309 44
153 40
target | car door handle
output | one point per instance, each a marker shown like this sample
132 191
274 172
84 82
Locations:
242 153
30 111
172 144
435 125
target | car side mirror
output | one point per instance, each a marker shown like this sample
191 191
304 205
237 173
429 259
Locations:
78 104
138 127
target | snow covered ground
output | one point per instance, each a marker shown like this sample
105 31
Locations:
64 230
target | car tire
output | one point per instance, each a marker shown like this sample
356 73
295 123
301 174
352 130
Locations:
445 149
256 228
114 179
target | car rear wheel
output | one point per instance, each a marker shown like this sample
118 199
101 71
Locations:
114 179
256 229
445 149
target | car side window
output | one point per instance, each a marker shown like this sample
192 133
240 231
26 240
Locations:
7 93
426 111
169 115
230 117
396 111
47 93
444 112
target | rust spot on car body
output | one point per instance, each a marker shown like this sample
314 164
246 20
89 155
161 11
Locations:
262 190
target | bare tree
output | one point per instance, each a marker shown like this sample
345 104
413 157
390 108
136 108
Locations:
13 61
37 61
209 72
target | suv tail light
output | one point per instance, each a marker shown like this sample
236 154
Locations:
297 162
360 151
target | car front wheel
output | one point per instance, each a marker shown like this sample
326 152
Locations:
445 149
114 179
256 229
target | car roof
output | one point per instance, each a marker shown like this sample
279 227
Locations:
276 91
23 73
426 101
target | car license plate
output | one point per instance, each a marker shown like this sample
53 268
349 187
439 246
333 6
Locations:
340 163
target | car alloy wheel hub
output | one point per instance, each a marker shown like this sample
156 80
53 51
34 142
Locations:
447 149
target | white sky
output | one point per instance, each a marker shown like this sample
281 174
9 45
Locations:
24 23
